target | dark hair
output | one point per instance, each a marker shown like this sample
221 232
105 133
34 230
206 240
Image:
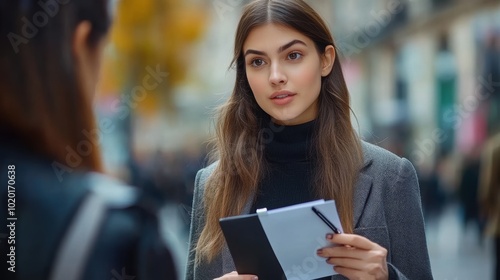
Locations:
237 141
42 105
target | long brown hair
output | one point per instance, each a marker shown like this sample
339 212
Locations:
238 140
42 107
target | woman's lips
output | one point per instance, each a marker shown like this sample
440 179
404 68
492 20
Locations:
282 97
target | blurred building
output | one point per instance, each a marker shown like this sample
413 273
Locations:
414 69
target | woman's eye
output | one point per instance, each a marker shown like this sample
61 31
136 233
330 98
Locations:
257 62
294 56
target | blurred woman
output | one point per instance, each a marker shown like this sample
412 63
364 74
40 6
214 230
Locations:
285 137
67 220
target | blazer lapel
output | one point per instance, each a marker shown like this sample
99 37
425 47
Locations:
361 193
362 189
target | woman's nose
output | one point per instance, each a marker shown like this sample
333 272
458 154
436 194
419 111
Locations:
277 75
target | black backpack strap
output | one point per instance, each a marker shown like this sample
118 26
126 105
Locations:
72 255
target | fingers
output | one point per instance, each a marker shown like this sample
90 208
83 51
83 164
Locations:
348 263
354 240
357 257
377 253
341 252
234 276
247 277
354 247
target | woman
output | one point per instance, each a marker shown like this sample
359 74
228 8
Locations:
285 137
70 221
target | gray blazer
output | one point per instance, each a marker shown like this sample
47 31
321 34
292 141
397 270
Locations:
387 210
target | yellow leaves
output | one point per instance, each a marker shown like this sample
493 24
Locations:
134 12
149 33
185 24
132 18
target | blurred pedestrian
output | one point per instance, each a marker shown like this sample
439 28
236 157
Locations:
489 194
66 220
491 73
431 194
468 192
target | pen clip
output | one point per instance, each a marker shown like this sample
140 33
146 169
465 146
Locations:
262 211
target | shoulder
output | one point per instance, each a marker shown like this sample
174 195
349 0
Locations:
203 174
199 185
379 157
385 166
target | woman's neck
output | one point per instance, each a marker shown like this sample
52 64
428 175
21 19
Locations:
289 143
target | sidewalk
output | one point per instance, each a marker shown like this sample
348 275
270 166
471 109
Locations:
455 253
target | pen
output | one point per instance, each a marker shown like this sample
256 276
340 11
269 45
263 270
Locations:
325 220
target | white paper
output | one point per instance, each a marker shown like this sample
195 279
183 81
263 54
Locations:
295 233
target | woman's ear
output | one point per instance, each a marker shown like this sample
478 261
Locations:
80 41
87 57
327 60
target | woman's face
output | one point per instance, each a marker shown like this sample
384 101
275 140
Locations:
284 70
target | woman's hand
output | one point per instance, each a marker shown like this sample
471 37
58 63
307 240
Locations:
234 276
356 257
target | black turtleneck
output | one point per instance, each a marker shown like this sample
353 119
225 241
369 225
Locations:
290 162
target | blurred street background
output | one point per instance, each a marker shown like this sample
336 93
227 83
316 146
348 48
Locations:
424 77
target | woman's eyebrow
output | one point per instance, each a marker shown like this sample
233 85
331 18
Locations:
288 45
254 52
280 49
